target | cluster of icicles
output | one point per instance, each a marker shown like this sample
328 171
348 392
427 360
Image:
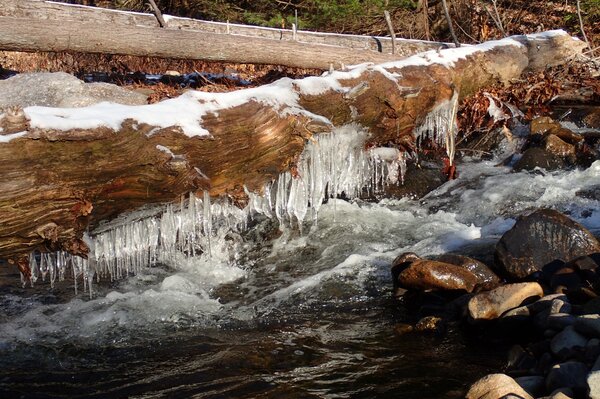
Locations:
332 165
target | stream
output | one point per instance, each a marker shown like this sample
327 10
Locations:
272 312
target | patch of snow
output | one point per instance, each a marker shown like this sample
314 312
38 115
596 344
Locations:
548 34
166 150
8 137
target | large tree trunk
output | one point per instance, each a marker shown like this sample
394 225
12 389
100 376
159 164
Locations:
57 180
46 26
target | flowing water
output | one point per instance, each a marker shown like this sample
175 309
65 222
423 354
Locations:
269 311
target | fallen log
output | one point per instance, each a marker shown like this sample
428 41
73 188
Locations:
44 26
54 11
66 169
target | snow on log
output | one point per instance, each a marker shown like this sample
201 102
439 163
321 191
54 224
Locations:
64 170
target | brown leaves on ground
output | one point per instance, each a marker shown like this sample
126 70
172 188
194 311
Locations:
577 82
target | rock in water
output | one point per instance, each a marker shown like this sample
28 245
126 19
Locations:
486 278
593 380
426 274
567 342
495 386
539 239
536 157
61 90
567 375
492 304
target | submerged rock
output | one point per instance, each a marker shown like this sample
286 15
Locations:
492 304
495 386
426 274
538 239
61 90
431 324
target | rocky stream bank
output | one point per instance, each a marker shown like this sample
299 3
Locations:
540 288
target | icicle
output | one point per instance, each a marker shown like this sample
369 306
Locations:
439 126
33 267
207 222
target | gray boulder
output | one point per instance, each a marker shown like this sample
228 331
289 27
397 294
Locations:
61 90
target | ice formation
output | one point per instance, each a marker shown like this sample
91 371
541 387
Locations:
333 164
439 127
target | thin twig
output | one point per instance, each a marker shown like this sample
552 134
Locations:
157 13
581 24
388 21
498 18
449 21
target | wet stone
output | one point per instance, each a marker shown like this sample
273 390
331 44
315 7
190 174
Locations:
496 386
592 119
432 275
566 343
592 306
542 125
556 146
535 157
486 278
567 135
565 277
559 321
593 380
561 393
402 328
533 384
541 238
546 302
588 325
431 324
519 360
592 349
569 374
492 304
398 265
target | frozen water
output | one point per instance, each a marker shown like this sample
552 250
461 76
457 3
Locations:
333 164
439 127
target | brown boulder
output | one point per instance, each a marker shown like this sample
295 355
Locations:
426 274
486 278
539 239
535 157
492 304
557 146
543 125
